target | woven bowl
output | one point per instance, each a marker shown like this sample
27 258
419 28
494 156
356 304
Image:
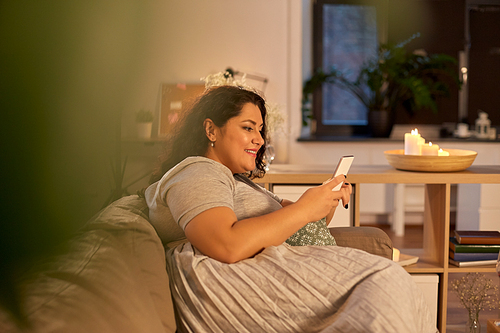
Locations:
457 161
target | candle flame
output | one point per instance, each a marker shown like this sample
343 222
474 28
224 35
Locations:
440 150
414 132
430 144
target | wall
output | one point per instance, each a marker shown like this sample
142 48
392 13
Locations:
187 40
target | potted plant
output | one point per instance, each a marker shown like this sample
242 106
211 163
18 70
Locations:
144 119
395 77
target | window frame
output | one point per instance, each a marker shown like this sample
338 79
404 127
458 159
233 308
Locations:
317 100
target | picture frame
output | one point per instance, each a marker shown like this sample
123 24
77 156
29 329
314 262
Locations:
174 97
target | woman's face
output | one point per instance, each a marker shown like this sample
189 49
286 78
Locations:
238 141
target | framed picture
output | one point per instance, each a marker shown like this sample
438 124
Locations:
174 98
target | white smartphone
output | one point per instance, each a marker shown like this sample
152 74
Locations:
342 168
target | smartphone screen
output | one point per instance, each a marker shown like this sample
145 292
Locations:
342 168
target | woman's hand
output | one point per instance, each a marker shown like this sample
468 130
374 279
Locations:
319 201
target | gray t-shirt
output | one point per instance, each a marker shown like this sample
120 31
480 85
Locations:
197 184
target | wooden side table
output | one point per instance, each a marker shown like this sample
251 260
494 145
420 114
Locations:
435 252
493 326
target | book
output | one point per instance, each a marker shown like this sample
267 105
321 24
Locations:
406 259
472 263
473 256
477 237
473 248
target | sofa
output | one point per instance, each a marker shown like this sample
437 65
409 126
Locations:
112 277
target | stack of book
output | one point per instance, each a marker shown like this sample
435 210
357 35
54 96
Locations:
474 248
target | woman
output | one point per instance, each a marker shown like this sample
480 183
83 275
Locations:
236 274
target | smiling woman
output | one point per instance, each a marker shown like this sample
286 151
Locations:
236 271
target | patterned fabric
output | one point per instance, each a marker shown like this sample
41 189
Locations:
314 233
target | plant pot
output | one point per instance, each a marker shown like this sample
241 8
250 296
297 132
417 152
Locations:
380 123
144 130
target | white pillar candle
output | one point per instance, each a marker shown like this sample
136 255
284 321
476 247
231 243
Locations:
442 152
413 143
430 149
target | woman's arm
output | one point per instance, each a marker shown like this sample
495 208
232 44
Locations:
217 233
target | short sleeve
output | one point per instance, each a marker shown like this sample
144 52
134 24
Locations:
197 188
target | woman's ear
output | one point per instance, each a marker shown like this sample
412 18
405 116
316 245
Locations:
210 127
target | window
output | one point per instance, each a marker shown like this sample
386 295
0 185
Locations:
345 35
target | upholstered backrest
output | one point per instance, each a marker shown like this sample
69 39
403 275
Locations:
127 220
112 278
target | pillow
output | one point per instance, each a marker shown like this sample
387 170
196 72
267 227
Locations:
314 233
370 239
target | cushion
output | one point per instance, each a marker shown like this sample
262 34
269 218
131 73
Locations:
370 239
314 233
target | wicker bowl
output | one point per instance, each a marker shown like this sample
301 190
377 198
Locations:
458 160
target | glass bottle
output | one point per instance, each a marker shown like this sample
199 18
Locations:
473 325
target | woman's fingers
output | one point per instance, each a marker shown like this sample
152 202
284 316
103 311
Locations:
332 182
346 191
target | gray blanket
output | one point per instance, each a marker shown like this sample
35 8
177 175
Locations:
295 289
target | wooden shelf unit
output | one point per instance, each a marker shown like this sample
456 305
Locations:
433 257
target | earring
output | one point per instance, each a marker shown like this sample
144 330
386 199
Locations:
211 143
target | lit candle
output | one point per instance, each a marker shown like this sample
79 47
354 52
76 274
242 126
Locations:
395 254
430 149
413 142
442 152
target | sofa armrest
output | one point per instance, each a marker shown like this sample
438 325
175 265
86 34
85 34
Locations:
370 239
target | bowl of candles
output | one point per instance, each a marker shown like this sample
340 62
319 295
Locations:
418 155
456 160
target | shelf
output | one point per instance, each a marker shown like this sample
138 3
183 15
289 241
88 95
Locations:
481 269
424 264
423 267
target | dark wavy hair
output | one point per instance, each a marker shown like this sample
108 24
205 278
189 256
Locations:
189 139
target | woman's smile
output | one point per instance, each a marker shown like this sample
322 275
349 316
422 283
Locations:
252 152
